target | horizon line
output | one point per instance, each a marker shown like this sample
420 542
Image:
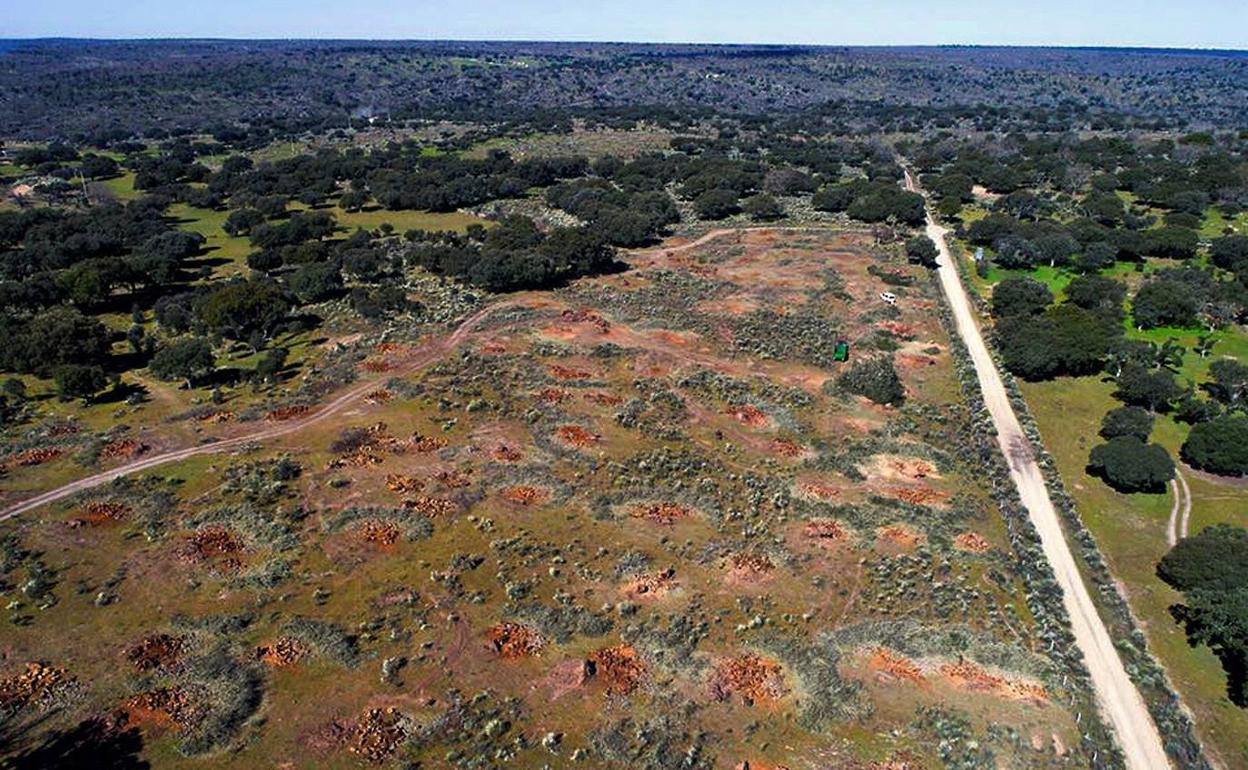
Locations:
552 41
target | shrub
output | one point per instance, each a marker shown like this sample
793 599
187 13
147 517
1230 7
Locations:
1129 465
875 379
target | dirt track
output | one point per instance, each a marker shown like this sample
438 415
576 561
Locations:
424 358
1120 701
1176 527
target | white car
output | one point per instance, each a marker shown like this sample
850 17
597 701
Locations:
888 297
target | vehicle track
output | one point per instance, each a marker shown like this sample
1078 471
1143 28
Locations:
1120 701
420 360
1176 527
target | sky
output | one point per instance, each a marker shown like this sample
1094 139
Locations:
1154 23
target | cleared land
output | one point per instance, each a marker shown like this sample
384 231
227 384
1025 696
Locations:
627 522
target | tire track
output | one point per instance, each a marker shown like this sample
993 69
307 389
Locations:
422 359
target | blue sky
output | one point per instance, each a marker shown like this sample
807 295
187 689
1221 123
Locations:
1186 23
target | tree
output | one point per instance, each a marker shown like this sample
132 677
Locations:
271 364
60 335
1127 421
1151 388
1230 382
762 208
1211 569
79 381
1020 296
187 359
242 309
1063 340
1129 465
716 204
1219 446
1097 293
875 379
1164 302
922 250
1014 252
316 282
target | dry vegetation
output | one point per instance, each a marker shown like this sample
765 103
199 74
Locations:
631 523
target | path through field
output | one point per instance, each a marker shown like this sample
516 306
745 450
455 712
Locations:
423 358
1120 701
1177 526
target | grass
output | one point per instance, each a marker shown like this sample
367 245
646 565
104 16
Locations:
1131 531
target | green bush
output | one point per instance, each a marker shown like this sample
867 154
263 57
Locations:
1219 445
1129 465
875 379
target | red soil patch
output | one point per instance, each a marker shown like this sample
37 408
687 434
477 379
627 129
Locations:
209 543
619 668
424 444
585 315
748 415
164 707
652 584
99 512
34 684
755 679
363 457
375 366
567 373
887 664
825 532
506 454
123 449
493 348
378 734
576 436
454 479
431 507
918 495
513 640
379 396
523 495
281 652
966 675
155 651
971 542
898 329
750 567
403 484
31 457
604 399
383 534
553 395
898 536
822 490
661 513
287 413
784 448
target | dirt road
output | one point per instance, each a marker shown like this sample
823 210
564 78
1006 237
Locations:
423 358
1176 527
1120 701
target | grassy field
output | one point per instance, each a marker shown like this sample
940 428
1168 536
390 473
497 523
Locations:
1131 529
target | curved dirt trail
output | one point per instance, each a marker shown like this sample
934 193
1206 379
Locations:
425 357
1176 527
1120 701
